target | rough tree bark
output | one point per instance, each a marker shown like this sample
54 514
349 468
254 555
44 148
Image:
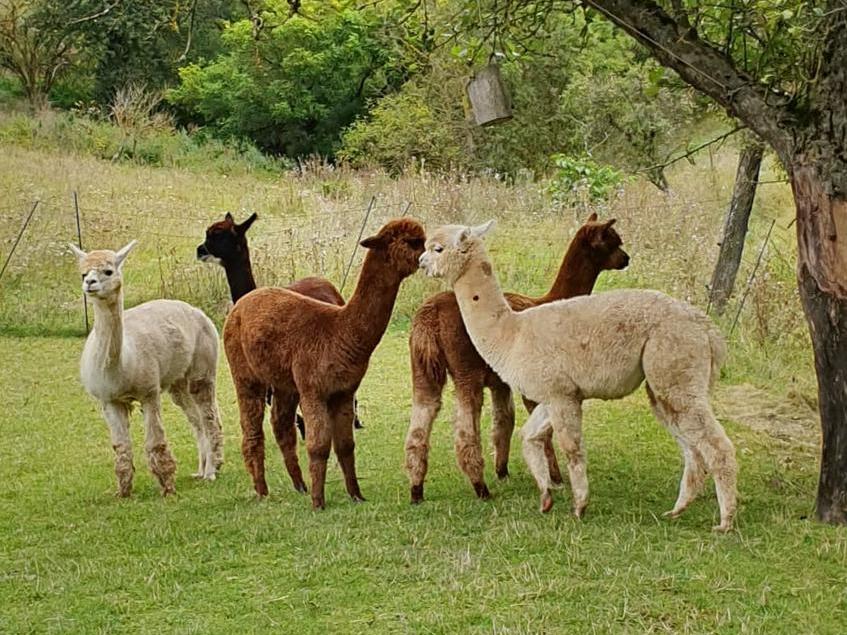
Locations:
735 226
810 138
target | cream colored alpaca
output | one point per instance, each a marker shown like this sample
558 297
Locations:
601 346
134 355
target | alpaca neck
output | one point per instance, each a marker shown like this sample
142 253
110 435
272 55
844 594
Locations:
239 276
577 274
108 331
368 312
488 318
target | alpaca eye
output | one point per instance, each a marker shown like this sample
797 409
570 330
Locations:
108 272
438 249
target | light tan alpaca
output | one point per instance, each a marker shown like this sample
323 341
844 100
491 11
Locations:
602 347
134 355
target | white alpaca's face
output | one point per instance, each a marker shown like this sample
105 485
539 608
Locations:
101 270
448 250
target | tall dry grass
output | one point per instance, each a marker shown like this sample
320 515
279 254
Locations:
309 221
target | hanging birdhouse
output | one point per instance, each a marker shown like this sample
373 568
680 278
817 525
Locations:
488 96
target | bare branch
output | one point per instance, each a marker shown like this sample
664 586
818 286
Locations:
193 12
703 67
693 151
94 16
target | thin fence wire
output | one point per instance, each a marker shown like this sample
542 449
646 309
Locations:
312 241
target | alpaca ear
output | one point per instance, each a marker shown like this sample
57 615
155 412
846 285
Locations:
121 255
229 217
609 223
243 227
374 242
592 218
481 230
79 253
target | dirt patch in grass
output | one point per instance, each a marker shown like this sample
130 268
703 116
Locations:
791 417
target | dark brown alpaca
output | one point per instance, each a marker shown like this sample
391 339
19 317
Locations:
226 245
315 354
440 345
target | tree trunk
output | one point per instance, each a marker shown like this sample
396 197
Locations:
735 226
822 278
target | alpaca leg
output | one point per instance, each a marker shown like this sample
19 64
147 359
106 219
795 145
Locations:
251 407
719 457
694 472
704 443
535 433
203 392
282 420
549 452
318 444
159 456
467 438
117 417
357 423
566 418
426 402
503 424
692 481
182 398
342 439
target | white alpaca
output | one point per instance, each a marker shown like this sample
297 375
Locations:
134 355
601 346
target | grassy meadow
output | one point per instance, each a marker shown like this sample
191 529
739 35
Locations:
213 559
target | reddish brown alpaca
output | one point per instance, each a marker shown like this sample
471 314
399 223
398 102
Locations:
317 354
440 345
226 245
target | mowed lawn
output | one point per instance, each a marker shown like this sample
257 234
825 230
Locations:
213 559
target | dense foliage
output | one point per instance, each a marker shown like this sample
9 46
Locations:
373 83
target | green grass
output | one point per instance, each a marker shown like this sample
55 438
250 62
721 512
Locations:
214 560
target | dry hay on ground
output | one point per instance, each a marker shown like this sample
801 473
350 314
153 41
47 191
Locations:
792 417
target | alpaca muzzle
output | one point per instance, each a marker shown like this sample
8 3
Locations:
425 262
203 255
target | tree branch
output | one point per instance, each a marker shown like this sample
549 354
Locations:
694 150
701 65
93 16
184 55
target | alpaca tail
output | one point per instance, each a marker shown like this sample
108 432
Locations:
717 344
429 366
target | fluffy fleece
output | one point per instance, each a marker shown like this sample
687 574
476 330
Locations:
439 346
602 346
315 354
135 355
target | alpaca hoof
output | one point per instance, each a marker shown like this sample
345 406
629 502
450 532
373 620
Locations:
168 490
556 480
318 503
198 475
261 490
417 494
481 490
358 498
123 493
503 472
546 502
211 476
357 424
579 510
301 488
723 528
672 513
